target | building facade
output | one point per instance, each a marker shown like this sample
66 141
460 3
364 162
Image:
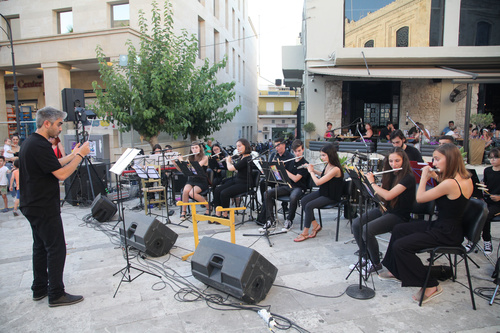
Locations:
55 48
408 57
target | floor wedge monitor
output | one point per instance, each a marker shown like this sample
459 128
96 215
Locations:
103 209
147 234
237 270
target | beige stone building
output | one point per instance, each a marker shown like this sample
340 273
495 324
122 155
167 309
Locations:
55 43
415 57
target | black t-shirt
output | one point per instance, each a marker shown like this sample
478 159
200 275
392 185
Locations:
384 132
302 183
413 154
406 199
242 167
39 188
286 156
492 181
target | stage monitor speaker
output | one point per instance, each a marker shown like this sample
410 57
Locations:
237 270
72 98
147 234
79 191
103 209
179 181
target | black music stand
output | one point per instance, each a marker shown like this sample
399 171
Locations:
360 291
117 169
275 173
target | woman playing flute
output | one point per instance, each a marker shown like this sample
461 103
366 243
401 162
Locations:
197 183
398 194
451 195
330 190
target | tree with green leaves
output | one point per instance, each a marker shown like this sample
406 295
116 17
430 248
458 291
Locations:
161 89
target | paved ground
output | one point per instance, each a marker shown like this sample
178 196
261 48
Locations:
149 304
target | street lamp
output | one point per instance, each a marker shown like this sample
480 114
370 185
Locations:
15 88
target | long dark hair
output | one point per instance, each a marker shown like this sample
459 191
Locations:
246 143
333 157
391 179
198 157
454 163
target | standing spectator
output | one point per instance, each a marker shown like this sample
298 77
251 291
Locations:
15 178
3 183
39 175
385 133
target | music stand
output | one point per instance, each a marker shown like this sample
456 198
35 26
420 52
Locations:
359 291
117 169
276 174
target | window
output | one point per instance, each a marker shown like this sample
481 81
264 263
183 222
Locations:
402 36
239 32
283 121
216 8
244 39
15 27
226 53
201 38
287 106
120 15
293 121
239 68
370 43
216 46
270 107
64 21
226 21
234 63
273 121
243 70
234 22
483 31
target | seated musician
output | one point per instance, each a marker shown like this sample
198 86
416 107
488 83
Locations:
398 139
217 164
197 183
168 149
299 181
398 194
156 149
451 195
281 154
240 182
331 183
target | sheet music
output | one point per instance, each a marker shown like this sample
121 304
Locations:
124 160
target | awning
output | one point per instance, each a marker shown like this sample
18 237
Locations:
390 73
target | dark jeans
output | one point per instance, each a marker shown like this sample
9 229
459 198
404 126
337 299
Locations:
378 223
492 211
49 253
224 192
310 202
271 194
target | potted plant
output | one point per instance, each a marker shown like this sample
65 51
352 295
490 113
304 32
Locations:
309 128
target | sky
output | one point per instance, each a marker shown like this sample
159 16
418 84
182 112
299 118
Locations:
278 23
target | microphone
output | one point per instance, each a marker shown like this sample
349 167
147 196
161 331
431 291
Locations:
406 118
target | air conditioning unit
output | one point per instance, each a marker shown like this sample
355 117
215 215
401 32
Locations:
265 129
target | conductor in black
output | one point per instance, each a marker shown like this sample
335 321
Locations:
39 176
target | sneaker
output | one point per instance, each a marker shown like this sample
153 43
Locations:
15 213
468 246
287 225
5 210
66 299
371 268
488 248
267 226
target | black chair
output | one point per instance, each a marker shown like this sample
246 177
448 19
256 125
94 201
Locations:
344 202
250 196
473 221
419 210
285 199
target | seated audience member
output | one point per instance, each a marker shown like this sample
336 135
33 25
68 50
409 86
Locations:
328 134
445 139
452 194
451 124
474 133
487 137
385 133
369 131
331 183
398 139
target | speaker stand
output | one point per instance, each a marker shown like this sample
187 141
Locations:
125 271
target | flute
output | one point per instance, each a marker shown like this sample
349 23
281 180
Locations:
185 156
432 169
305 165
386 171
290 159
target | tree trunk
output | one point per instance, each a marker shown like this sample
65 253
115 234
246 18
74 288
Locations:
192 137
153 141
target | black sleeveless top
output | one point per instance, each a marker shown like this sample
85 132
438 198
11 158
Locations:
333 188
449 222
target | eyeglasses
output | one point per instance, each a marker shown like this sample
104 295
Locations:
494 158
